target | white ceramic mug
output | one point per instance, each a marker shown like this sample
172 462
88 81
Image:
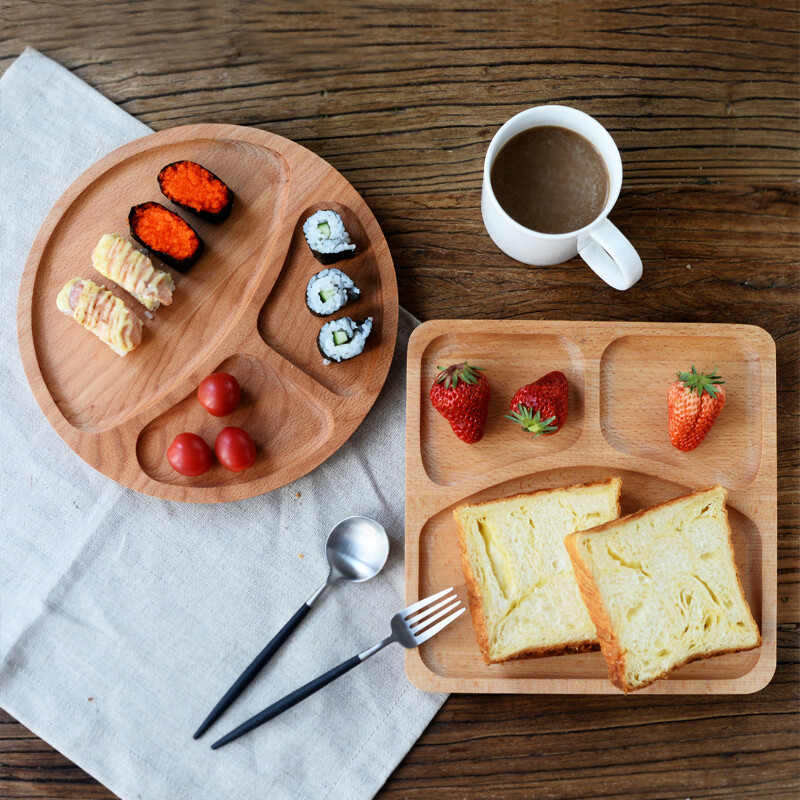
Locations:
600 243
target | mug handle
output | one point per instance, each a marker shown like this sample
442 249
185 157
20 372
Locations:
611 256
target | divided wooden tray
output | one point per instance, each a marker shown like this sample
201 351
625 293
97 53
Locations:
617 425
240 309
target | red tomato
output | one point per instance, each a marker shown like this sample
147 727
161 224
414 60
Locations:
189 455
235 449
220 393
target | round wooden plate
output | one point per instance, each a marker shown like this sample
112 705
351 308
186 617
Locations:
240 309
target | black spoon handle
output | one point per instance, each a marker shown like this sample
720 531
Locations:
287 702
244 680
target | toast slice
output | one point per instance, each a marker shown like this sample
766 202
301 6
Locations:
662 588
522 592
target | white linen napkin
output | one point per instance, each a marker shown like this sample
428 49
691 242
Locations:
124 618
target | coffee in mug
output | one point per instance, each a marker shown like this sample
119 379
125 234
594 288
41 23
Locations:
550 179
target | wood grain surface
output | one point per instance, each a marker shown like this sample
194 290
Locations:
612 429
702 99
235 301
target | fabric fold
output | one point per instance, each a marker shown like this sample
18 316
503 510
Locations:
123 618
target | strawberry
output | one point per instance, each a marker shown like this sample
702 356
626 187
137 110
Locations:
460 393
541 406
693 402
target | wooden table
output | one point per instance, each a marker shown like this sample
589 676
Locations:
703 102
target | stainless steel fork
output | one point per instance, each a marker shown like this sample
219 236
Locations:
410 627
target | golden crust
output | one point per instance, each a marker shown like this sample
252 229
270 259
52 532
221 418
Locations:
609 641
586 646
698 657
474 592
552 489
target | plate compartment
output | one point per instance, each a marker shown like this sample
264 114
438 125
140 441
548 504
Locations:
119 414
614 368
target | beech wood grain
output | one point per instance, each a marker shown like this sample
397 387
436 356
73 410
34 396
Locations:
703 101
618 373
240 309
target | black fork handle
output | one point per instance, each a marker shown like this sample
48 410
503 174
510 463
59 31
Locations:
287 702
246 678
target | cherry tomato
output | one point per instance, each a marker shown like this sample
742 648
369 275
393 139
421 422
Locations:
189 455
220 394
235 449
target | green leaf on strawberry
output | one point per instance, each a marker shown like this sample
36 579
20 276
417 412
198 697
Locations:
698 382
455 372
460 393
541 407
532 422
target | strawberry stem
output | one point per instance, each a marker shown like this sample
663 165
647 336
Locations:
700 382
450 376
532 423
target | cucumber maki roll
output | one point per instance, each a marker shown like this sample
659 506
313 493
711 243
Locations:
327 237
330 290
342 338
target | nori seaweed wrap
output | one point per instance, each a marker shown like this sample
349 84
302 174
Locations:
165 234
327 238
191 186
343 339
329 291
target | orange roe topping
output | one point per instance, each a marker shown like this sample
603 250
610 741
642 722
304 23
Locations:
191 185
164 231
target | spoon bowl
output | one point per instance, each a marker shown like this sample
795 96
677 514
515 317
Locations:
357 549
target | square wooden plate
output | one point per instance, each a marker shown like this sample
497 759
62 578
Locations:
617 425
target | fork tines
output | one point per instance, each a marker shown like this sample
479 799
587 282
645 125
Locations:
420 616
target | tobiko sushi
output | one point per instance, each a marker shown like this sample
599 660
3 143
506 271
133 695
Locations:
166 234
193 187
341 339
329 291
327 237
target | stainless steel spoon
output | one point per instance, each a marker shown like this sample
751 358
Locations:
357 549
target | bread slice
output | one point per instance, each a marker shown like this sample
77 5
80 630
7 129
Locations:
522 592
662 588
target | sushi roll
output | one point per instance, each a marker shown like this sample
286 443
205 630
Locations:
327 238
330 290
116 258
166 234
342 338
100 312
193 187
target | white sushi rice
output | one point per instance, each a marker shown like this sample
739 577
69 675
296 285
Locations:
336 286
356 338
325 233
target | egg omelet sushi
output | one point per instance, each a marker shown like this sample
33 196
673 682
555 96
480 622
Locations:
100 312
118 260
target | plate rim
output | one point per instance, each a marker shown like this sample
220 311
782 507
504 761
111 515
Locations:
762 671
24 318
